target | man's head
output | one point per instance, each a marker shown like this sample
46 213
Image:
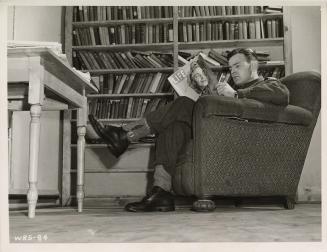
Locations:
243 64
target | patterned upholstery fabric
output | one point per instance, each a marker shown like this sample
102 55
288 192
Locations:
231 155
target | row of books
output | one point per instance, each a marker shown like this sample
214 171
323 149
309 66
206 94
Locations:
123 34
132 107
216 58
88 60
233 30
276 72
132 83
157 82
197 11
102 13
221 57
187 32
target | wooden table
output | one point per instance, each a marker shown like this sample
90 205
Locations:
46 73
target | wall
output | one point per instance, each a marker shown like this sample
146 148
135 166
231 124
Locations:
36 24
306 51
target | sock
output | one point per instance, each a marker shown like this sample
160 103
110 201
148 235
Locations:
162 178
136 130
137 123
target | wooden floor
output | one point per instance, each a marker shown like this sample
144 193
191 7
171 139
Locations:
226 224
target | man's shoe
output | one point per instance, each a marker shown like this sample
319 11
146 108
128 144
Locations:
114 137
157 200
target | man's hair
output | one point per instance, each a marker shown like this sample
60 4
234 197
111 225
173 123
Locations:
247 52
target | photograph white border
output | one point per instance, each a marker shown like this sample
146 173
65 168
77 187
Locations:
154 247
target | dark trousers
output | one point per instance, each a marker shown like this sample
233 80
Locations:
173 125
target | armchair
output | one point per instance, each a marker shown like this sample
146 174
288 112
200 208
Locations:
243 147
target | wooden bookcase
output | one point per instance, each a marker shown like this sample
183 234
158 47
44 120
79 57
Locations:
279 46
177 16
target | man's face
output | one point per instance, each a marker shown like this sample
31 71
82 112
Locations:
240 69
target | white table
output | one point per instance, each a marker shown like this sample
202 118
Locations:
46 73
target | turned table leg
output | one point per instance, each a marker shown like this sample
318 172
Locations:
81 130
32 193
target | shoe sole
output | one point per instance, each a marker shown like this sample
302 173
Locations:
164 209
154 209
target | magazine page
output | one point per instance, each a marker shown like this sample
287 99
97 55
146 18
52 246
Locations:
181 82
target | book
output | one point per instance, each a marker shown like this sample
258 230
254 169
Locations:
257 29
209 60
272 9
252 29
122 82
155 83
269 29
148 82
273 28
245 29
218 57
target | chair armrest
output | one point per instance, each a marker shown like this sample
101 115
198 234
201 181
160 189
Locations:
252 110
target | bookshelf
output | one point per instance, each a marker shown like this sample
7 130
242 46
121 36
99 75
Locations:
94 34
99 38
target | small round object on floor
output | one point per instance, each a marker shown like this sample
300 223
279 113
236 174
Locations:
289 204
204 205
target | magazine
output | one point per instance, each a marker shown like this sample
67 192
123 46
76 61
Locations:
184 86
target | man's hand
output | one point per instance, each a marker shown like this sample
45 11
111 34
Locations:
223 88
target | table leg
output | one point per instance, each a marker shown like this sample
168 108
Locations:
32 194
81 131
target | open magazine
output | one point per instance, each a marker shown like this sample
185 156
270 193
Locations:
184 86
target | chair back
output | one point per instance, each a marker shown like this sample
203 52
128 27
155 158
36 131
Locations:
305 91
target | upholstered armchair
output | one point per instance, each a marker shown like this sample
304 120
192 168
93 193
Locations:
243 147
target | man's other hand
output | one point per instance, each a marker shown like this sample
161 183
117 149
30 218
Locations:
223 88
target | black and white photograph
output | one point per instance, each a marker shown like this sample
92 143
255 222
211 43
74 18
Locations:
155 126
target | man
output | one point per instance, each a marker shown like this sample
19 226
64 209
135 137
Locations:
172 123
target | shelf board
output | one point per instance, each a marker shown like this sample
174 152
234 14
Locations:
144 95
187 45
119 120
101 146
163 70
114 121
231 43
123 22
230 17
115 170
134 70
121 47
